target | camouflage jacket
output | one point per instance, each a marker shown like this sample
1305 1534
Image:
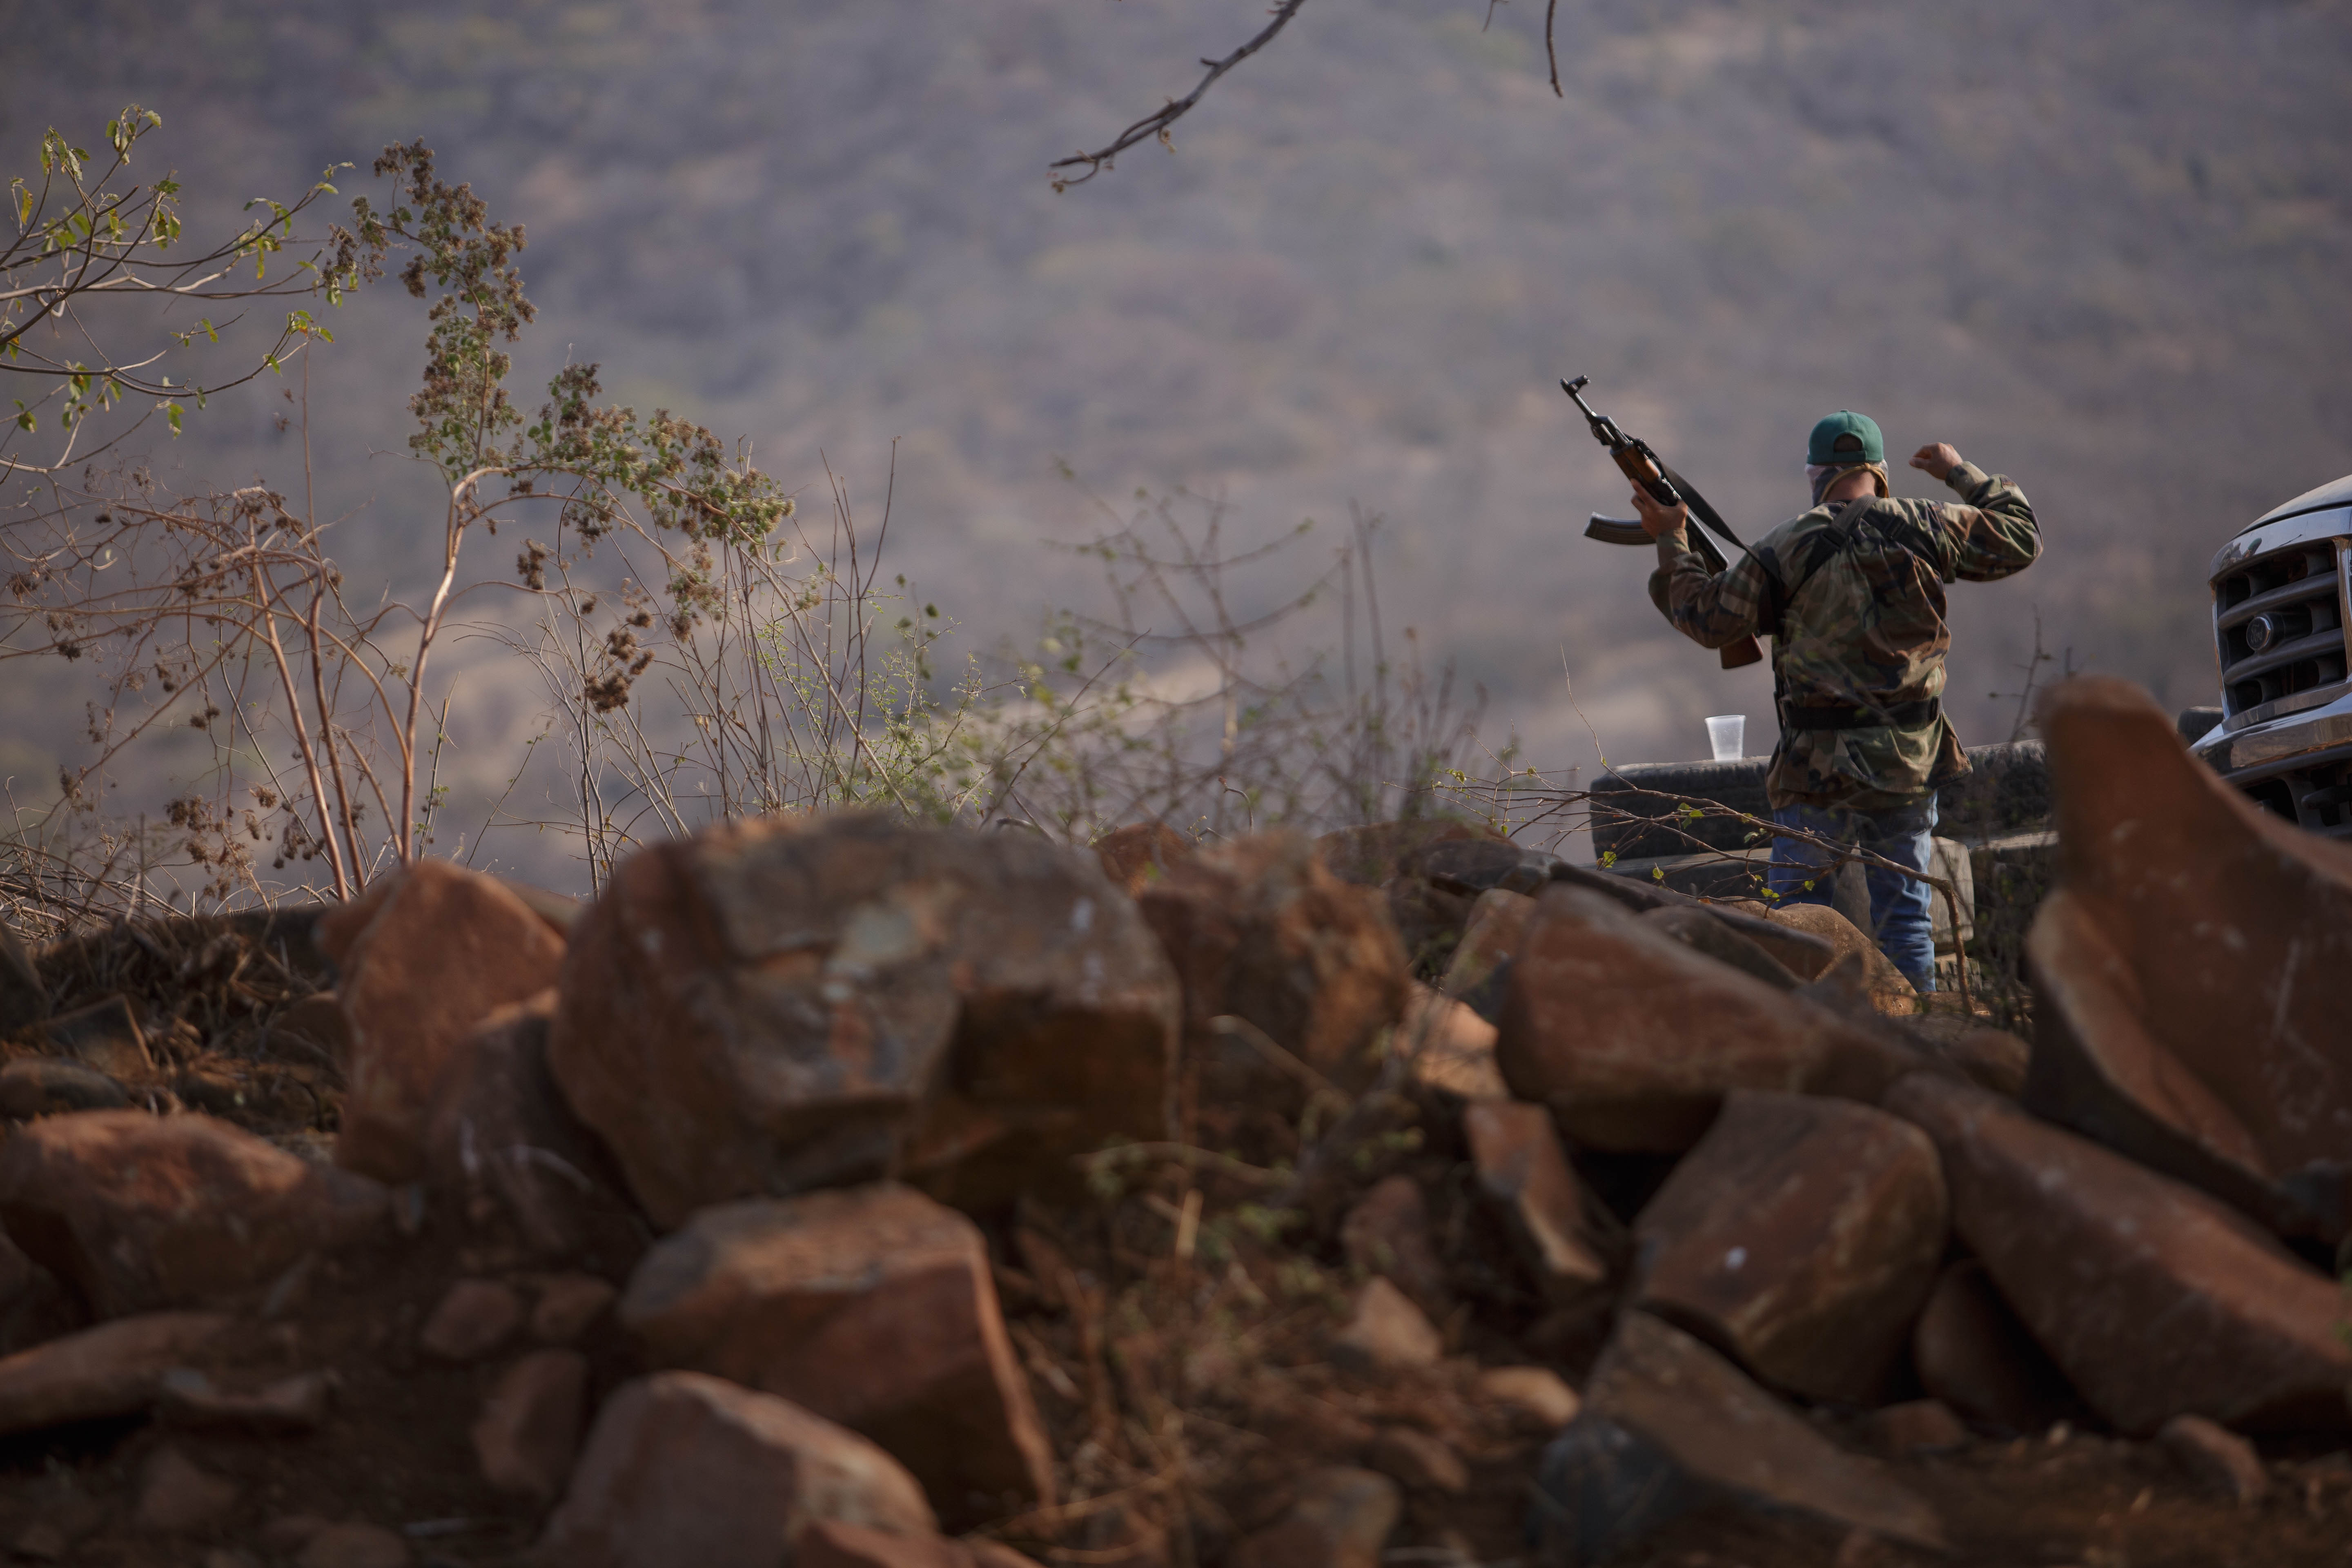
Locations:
1864 627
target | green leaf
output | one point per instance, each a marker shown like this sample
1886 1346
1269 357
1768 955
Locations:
172 413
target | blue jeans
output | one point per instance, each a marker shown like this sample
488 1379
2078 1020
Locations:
1902 909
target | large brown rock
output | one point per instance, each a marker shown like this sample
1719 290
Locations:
1525 1173
425 958
1446 1045
529 1428
115 1369
1480 967
1633 1038
2189 970
793 1002
681 1467
875 1308
1971 1352
1260 928
1388 1233
1373 854
1800 1237
1668 1427
1872 973
2155 1299
500 1140
138 1211
1394 856
1702 932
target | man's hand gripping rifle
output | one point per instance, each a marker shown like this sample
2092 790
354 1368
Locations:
1638 463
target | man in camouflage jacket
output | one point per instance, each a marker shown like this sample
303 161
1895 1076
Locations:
1852 592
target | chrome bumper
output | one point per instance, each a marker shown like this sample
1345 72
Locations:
2298 765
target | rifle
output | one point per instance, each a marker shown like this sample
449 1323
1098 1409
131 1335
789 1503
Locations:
1638 463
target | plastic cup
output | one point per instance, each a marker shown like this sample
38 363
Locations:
1727 733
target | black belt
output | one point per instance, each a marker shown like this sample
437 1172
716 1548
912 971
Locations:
1892 715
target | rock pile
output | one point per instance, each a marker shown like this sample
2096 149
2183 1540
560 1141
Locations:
832 1188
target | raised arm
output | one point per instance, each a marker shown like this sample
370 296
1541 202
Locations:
1993 535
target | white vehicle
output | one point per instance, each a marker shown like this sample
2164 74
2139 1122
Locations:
2282 604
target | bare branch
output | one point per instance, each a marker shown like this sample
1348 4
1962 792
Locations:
1157 124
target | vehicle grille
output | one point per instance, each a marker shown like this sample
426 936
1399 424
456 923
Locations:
2279 622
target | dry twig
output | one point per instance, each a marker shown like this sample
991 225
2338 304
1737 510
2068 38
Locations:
1156 124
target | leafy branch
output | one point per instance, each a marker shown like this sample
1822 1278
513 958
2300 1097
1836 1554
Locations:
84 241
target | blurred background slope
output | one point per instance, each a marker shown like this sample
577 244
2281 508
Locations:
2101 247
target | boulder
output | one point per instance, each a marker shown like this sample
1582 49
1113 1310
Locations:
2189 1012
1633 1038
2217 1459
1260 928
425 957
1386 1333
682 1467
1374 853
1874 973
1535 1395
560 911
1994 1060
568 1305
1387 1233
47 1086
1447 1046
1418 1462
1800 1237
798 1001
873 1307
138 1211
1340 1518
115 1369
2155 1299
1138 855
473 1318
1801 951
1481 963
1525 1174
500 1140
1701 931
1394 856
529 1428
1668 1427
1972 1354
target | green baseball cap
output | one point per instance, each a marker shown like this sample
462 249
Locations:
1844 438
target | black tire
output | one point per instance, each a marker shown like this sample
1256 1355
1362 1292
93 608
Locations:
1627 800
